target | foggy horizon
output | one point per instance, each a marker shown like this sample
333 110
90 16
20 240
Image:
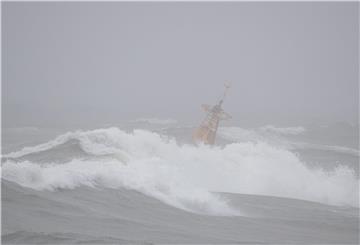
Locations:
115 131
96 63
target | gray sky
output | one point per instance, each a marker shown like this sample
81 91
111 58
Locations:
289 63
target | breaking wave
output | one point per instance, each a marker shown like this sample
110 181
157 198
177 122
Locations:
184 176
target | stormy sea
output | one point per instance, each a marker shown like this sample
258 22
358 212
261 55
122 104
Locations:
145 182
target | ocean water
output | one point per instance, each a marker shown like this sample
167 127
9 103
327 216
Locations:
143 181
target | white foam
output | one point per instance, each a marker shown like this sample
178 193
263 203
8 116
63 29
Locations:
185 176
147 176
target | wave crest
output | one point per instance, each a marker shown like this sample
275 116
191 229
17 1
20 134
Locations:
184 176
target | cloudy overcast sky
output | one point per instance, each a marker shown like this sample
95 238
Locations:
289 63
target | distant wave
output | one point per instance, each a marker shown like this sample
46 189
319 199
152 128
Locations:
62 139
335 148
156 121
286 130
183 176
237 134
22 129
